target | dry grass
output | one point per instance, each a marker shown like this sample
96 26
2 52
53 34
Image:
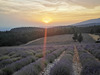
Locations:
95 37
58 40
61 40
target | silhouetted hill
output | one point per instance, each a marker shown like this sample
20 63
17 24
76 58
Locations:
90 22
25 29
22 35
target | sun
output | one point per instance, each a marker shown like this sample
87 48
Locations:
46 20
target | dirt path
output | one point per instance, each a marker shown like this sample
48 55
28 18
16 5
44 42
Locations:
49 66
31 42
76 62
95 37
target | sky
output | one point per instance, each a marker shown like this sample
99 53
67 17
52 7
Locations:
17 13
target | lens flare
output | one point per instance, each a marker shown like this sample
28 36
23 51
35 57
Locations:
44 48
45 20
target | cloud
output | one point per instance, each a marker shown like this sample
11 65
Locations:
38 6
84 3
60 10
20 6
87 3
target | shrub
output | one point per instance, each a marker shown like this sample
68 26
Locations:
36 67
8 70
4 57
63 67
1 72
5 62
90 65
60 69
80 38
39 55
91 69
75 36
50 58
31 69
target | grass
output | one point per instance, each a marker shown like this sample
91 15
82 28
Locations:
95 37
4 57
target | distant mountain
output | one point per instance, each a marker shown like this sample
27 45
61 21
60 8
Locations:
91 22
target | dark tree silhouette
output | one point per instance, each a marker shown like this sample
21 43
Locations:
80 38
92 31
75 36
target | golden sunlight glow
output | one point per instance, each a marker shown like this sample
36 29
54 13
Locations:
55 12
46 20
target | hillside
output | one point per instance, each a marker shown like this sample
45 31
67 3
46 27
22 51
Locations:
22 35
63 55
61 40
90 22
26 29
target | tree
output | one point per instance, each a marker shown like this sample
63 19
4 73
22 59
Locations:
92 31
80 38
75 36
98 30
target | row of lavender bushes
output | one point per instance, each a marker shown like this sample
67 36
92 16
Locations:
94 49
11 67
21 52
35 68
89 63
13 54
64 66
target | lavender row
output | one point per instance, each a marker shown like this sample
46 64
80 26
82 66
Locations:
36 67
22 52
16 57
11 68
64 66
5 62
93 49
90 65
14 53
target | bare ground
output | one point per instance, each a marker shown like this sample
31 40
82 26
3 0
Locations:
49 66
95 37
76 62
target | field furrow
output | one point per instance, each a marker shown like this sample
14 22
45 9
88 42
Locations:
49 66
76 62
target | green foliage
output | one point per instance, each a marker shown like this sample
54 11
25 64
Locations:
10 69
18 36
39 55
98 30
80 38
15 59
75 36
4 57
15 37
1 72
92 31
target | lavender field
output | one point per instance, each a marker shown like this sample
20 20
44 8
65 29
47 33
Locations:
63 56
61 40
49 37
